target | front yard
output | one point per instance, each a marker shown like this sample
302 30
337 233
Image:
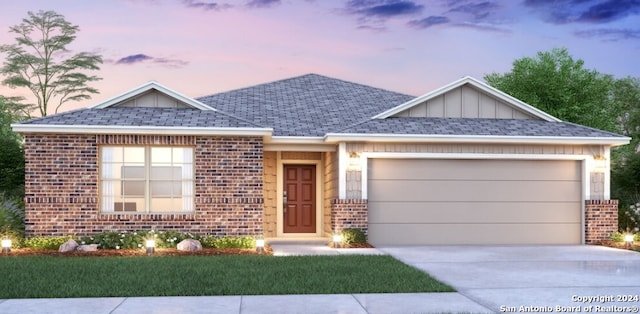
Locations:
66 277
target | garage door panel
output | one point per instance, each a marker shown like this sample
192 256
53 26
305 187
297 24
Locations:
474 212
434 234
417 190
385 169
425 201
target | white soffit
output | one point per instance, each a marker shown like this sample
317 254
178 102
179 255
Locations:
147 87
510 100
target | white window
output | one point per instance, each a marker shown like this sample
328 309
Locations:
147 179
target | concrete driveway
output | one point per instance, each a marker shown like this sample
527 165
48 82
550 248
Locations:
544 278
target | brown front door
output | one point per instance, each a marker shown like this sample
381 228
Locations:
299 199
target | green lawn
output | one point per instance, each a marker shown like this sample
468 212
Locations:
66 277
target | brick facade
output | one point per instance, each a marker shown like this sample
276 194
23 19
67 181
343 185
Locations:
601 220
62 179
349 213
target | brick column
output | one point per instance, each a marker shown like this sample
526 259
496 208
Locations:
600 219
349 213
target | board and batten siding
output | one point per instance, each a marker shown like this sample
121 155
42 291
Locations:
354 184
153 99
464 102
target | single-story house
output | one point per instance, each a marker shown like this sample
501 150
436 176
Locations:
308 156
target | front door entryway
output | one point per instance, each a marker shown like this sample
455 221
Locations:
299 199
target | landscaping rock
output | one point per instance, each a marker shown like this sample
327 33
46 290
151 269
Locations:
68 246
189 245
87 248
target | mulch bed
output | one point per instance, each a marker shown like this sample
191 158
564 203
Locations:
353 246
620 245
158 252
141 252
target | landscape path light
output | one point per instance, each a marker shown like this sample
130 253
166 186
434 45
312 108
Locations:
337 239
151 246
260 244
6 245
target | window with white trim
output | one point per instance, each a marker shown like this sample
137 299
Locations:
146 179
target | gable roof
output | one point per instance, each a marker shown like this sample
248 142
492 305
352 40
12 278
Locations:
314 109
308 105
508 99
151 85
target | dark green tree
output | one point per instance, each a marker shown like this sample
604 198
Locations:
559 85
37 61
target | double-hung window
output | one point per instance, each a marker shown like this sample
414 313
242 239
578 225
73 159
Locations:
146 179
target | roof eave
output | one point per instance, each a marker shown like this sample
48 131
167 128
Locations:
165 130
485 139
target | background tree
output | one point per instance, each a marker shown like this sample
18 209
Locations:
37 61
559 85
11 153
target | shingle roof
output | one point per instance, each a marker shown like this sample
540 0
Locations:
308 105
462 126
128 116
312 105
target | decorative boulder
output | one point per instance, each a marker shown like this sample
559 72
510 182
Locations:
87 248
68 246
189 245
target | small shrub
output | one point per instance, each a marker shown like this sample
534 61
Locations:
45 243
228 242
617 237
353 235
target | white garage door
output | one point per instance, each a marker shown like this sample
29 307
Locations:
426 201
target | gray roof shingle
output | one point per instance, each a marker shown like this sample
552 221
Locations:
308 105
128 116
466 126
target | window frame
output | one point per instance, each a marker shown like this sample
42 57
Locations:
148 181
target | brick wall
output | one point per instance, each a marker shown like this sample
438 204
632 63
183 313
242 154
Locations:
61 190
601 220
349 213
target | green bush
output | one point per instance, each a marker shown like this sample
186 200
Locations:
617 237
228 242
353 235
11 215
45 243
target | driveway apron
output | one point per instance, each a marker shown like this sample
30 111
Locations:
534 278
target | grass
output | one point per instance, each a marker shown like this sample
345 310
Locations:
67 277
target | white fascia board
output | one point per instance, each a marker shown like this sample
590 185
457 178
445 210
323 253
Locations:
297 140
111 129
492 139
476 83
149 86
270 147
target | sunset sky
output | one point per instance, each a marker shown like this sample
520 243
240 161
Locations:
201 47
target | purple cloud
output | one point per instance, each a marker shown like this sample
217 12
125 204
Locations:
382 8
142 58
262 3
610 34
137 58
207 6
479 10
584 11
429 21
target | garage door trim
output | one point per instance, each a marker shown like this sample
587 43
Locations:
587 163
